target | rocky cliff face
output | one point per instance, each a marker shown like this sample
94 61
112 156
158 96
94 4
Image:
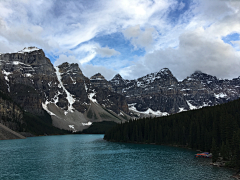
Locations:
161 93
32 82
99 81
76 86
30 78
106 96
11 115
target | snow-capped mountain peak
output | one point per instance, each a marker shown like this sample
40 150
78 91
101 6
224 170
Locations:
29 49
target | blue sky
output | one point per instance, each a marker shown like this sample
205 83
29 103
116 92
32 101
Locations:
132 38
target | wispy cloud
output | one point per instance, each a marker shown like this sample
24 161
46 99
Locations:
106 51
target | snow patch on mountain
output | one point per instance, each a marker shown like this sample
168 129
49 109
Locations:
191 106
44 106
72 127
149 111
27 75
181 110
6 78
74 82
86 89
87 124
69 97
6 75
28 50
55 99
220 95
91 97
156 113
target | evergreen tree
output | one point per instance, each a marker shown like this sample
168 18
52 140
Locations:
214 151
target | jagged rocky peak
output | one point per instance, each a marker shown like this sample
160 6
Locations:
97 77
71 74
29 49
199 75
29 56
117 77
163 77
117 80
69 68
165 72
99 80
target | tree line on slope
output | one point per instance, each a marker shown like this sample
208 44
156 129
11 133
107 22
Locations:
215 129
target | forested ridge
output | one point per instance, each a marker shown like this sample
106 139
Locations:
215 129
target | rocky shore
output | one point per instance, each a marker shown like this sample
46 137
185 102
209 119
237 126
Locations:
221 163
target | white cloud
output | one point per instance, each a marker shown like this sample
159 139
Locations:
88 58
90 70
71 23
132 31
181 6
139 38
64 58
236 45
87 52
106 51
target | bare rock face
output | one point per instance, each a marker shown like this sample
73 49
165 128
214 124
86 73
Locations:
161 93
30 77
106 96
99 81
76 84
83 90
11 115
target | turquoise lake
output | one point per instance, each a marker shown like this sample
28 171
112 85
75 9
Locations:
90 157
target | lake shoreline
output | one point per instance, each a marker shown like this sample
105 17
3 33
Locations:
218 164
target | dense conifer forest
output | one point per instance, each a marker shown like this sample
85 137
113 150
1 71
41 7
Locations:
215 129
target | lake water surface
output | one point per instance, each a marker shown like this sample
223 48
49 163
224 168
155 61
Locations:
90 157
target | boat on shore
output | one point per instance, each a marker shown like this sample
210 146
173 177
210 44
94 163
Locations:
204 155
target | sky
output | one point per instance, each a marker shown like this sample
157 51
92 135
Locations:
129 37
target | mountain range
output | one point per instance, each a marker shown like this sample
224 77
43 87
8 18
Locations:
161 93
29 83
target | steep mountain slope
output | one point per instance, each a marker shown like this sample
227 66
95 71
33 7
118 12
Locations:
29 78
106 96
160 93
